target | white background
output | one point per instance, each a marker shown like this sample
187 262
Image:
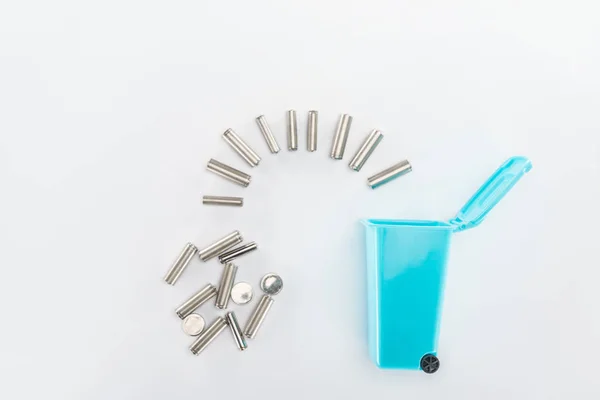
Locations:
110 110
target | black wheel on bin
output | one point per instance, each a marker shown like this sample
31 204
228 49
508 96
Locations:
430 363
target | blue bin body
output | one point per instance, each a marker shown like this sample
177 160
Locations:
406 271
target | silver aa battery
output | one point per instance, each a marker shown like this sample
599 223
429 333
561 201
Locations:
241 147
225 285
366 149
221 245
389 174
236 331
229 173
311 131
208 335
292 130
258 316
199 298
341 137
223 201
267 134
232 254
180 263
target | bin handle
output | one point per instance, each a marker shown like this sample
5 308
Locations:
490 193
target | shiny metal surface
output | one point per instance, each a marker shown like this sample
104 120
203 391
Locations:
341 137
366 149
267 134
223 201
232 254
229 173
271 284
292 130
241 147
258 316
193 324
221 245
389 174
311 130
242 293
180 263
225 285
208 335
236 331
197 299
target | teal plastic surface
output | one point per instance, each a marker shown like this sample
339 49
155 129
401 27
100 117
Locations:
406 270
491 192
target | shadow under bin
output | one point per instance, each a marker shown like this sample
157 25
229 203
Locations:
406 270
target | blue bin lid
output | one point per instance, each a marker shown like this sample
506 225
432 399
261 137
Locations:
490 193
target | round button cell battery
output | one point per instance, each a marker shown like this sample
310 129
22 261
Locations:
241 293
271 284
193 324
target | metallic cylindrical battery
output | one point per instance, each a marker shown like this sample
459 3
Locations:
223 201
341 137
393 172
258 316
229 173
241 147
292 130
366 149
221 245
227 280
311 131
236 331
232 254
199 298
181 263
267 134
208 335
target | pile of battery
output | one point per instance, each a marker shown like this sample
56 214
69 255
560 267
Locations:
224 249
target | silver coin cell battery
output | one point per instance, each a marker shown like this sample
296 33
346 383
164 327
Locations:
242 293
341 137
258 316
236 331
267 134
197 299
232 254
193 325
208 335
389 174
271 284
220 246
180 263
292 130
229 173
311 131
366 149
241 147
223 201
225 285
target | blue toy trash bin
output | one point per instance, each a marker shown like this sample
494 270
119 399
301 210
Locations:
406 269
